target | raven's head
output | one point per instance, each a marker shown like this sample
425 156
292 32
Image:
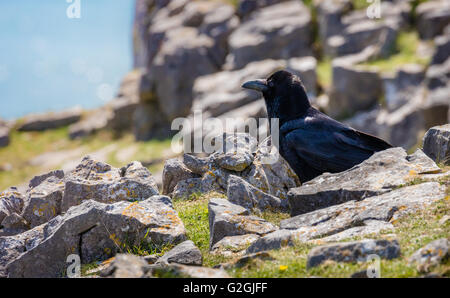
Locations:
284 94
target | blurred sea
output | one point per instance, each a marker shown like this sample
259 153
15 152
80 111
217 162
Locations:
49 62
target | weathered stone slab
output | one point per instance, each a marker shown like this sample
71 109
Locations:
431 254
101 182
185 253
227 219
94 231
436 144
357 251
41 122
11 201
379 174
43 199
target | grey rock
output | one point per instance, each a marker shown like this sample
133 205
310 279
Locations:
174 171
354 88
221 92
186 188
442 44
399 89
244 194
185 253
13 224
436 144
97 120
277 32
370 215
150 122
4 134
423 109
93 230
236 152
379 174
126 266
58 174
122 113
227 219
232 245
438 75
329 14
103 183
44 198
187 51
362 34
11 201
247 7
270 172
247 259
357 251
432 18
275 240
39 122
183 271
432 254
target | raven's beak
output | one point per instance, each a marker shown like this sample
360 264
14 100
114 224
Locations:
258 85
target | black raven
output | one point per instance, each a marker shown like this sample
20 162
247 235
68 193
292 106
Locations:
310 141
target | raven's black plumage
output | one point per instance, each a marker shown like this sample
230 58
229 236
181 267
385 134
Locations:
310 141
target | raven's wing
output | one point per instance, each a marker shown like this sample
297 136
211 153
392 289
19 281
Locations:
327 145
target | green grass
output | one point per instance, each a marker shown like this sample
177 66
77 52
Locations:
324 72
404 53
413 232
194 214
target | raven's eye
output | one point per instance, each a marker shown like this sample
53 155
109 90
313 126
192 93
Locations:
271 84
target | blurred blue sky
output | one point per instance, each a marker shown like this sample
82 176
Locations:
49 62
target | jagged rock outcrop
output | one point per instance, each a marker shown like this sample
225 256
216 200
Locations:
279 31
431 254
103 183
227 219
11 201
4 134
185 253
44 198
353 251
436 144
94 231
39 122
379 174
261 166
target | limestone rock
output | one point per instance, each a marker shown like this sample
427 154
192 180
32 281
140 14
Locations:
436 143
126 266
93 230
431 254
432 18
244 194
174 172
183 271
44 198
227 219
94 122
11 201
103 183
185 253
233 245
357 251
379 174
39 122
277 32
366 216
